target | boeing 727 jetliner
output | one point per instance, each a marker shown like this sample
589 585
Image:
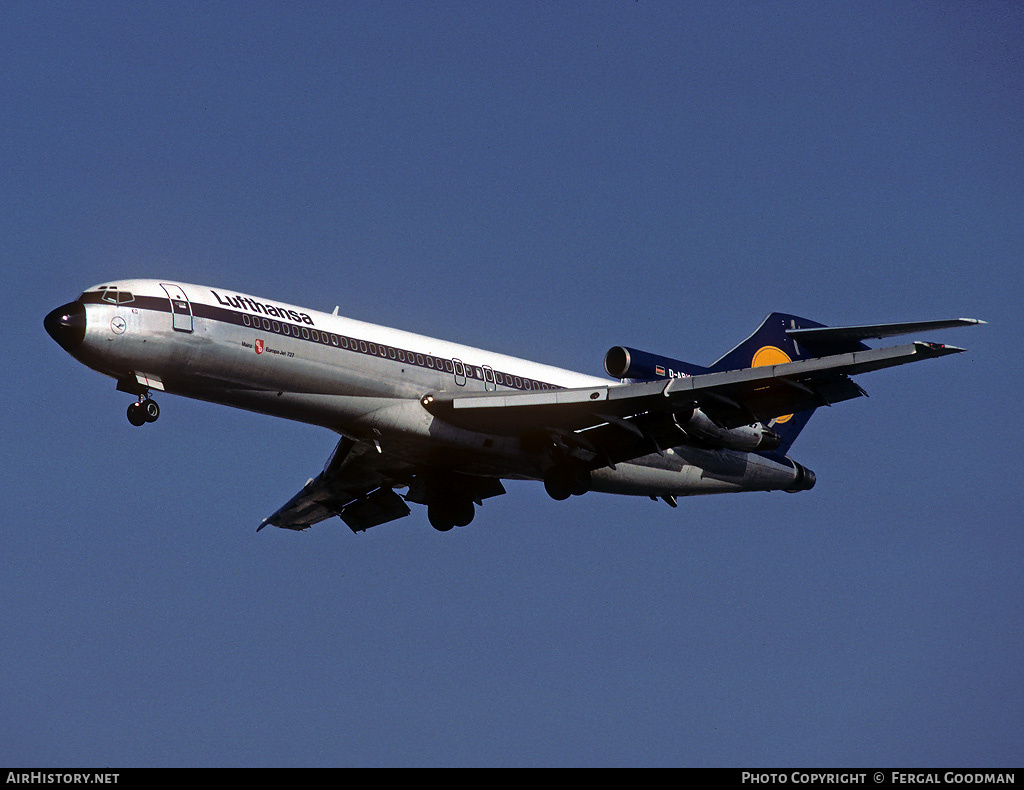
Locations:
447 423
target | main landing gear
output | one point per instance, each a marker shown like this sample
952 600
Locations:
142 411
566 481
445 514
451 498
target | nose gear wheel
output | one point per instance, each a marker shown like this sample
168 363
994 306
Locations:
143 411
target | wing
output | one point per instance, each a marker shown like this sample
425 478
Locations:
621 421
356 484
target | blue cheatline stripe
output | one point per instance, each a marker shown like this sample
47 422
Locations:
321 337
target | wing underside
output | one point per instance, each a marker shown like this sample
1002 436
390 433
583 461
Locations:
356 485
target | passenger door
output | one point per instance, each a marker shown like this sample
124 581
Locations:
181 308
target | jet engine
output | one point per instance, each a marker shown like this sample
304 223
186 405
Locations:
630 363
635 365
803 478
747 438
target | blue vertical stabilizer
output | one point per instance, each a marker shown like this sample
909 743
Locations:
770 345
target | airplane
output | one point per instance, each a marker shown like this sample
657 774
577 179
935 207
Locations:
447 423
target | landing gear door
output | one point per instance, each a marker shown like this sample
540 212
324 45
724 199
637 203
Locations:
181 309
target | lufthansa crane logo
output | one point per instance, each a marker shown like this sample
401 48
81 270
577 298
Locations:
771 355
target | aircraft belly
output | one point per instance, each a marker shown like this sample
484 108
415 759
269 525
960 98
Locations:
640 480
404 428
686 471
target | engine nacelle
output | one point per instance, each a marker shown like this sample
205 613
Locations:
747 438
803 478
629 363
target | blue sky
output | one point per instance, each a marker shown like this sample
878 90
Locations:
545 180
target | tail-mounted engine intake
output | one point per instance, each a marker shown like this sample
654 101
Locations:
747 438
629 363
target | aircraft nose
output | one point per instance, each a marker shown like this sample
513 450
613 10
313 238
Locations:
66 325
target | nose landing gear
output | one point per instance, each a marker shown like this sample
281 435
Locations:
143 411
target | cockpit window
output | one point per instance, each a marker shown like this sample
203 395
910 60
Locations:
114 296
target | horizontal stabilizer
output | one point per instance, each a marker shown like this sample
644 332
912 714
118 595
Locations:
852 334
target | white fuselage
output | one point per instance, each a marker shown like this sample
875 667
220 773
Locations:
360 380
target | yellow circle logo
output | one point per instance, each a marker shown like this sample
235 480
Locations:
770 355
